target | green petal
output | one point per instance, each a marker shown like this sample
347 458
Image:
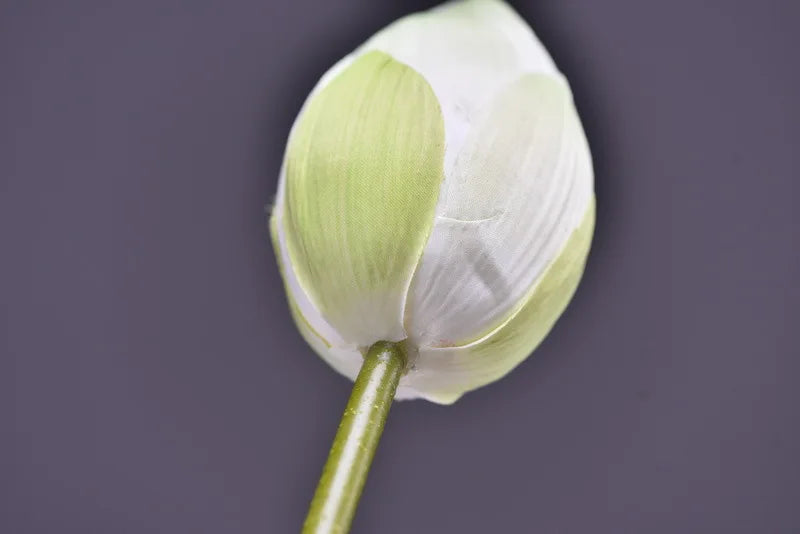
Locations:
364 166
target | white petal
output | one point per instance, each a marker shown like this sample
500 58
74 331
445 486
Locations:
296 293
443 374
519 187
467 51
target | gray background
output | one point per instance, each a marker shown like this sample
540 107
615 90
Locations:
154 378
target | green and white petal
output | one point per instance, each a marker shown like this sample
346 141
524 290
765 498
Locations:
443 374
344 357
314 328
521 184
299 301
363 174
467 51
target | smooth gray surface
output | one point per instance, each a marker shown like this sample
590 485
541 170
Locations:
155 379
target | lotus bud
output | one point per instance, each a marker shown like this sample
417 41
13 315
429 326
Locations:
436 190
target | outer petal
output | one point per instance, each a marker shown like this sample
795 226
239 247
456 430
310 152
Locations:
364 168
325 341
467 51
323 82
519 187
443 374
299 301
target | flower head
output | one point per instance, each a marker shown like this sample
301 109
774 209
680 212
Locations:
437 189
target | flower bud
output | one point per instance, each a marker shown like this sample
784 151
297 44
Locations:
437 189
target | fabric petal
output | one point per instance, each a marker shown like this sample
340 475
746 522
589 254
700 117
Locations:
519 187
323 82
443 374
299 301
363 174
467 51
324 340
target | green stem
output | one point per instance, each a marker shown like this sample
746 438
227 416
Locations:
354 446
